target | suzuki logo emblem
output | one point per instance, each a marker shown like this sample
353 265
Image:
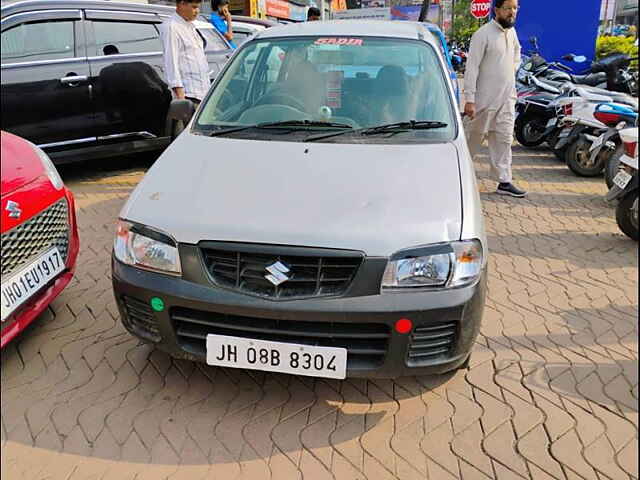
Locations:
277 273
14 209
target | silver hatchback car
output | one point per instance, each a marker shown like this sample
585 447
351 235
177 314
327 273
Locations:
319 216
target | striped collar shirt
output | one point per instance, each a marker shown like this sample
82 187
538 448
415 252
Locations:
185 62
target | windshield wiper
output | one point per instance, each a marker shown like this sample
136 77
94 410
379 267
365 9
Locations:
387 128
283 124
403 126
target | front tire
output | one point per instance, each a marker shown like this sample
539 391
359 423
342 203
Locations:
578 159
612 166
528 131
627 215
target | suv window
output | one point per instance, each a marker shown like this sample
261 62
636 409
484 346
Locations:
126 37
31 42
212 41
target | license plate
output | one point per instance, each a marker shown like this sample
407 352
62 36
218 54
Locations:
237 352
21 286
597 142
565 132
622 179
552 121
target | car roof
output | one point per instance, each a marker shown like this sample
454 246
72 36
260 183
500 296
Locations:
31 5
360 28
253 21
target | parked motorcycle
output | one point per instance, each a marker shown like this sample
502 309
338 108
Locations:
611 72
624 192
580 128
608 145
536 111
538 66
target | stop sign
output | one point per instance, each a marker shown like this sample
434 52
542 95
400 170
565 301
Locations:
480 8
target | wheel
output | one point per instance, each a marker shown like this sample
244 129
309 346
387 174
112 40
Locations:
529 132
579 161
612 166
627 215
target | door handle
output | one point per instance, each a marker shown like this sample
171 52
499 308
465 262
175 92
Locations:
73 80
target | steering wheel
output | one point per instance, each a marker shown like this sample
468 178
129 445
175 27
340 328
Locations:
280 99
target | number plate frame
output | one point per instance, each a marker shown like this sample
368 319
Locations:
292 358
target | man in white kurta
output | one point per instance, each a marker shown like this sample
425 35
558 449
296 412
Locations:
490 92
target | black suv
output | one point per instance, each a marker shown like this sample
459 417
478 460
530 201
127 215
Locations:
84 78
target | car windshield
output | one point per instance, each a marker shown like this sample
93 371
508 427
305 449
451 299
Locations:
320 83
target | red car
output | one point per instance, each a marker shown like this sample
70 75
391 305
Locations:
39 234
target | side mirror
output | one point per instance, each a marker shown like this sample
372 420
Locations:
181 110
580 59
178 116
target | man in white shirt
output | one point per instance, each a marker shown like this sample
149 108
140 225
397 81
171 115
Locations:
490 92
185 63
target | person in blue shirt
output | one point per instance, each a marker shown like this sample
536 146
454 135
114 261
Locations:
221 19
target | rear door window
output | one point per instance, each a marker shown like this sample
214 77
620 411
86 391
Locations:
32 42
126 37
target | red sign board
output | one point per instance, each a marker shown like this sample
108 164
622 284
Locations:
480 8
278 8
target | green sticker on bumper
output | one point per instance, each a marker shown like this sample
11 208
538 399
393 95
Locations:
157 304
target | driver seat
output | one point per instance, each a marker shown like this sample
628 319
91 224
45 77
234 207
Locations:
306 85
392 94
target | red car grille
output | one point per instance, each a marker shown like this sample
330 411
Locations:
50 228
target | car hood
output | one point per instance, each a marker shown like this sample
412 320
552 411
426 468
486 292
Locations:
20 165
374 198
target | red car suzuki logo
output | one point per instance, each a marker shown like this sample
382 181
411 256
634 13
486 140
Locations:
14 209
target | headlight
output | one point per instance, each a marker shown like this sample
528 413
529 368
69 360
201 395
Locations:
454 264
52 173
146 248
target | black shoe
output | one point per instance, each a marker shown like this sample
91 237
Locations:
510 189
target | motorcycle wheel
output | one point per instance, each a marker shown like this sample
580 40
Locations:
527 133
552 140
627 215
612 166
578 159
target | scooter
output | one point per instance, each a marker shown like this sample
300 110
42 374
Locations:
624 192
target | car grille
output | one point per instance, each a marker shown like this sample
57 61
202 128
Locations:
432 342
140 319
366 343
309 276
48 229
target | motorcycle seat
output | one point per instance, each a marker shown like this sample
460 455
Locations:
590 79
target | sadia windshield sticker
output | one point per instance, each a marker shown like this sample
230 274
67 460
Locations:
340 41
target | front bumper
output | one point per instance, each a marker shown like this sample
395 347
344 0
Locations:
27 313
211 309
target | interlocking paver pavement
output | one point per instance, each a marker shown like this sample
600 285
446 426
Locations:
551 392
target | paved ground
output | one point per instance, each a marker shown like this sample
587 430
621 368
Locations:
552 391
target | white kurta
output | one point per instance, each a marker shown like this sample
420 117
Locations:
490 83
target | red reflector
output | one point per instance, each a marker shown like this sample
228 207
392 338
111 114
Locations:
568 109
404 325
630 148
